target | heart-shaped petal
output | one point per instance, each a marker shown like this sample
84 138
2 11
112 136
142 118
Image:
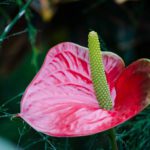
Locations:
60 101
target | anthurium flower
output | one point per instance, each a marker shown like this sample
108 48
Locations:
60 101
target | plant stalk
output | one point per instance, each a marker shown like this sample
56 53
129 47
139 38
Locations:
112 136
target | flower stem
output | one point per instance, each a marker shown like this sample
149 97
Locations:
112 137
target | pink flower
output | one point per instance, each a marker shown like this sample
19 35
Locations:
60 101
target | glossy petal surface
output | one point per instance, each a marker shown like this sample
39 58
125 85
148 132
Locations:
133 88
60 100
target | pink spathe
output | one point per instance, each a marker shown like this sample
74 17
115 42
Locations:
60 101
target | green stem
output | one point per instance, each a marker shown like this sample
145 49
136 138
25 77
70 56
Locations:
14 21
66 143
112 137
